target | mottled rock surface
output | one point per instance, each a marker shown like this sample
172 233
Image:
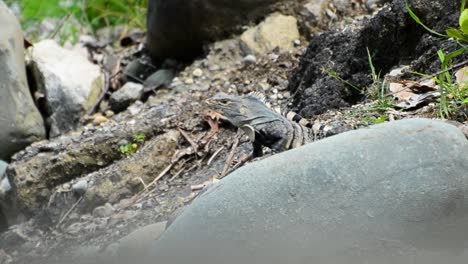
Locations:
390 193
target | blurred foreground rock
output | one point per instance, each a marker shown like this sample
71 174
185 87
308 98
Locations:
391 193
20 121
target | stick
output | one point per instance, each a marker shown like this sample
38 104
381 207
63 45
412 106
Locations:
69 211
214 156
241 162
190 140
230 157
103 94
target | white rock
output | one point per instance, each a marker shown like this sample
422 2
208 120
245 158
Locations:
80 187
71 84
197 72
276 31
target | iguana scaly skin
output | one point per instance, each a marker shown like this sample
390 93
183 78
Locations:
263 125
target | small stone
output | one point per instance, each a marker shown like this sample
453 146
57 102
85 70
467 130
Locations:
125 96
80 187
189 81
249 59
161 78
215 68
109 113
297 42
264 86
287 94
99 119
275 91
197 73
103 211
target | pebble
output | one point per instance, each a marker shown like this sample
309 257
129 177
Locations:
297 42
103 211
189 81
109 113
99 119
80 187
263 86
249 59
197 72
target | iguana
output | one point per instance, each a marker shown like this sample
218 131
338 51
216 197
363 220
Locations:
263 125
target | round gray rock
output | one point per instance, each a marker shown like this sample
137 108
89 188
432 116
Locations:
392 193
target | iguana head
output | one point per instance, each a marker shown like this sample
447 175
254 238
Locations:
238 110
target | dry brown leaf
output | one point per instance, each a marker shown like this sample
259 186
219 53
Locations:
400 92
462 78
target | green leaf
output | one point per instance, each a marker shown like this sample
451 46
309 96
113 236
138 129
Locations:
417 20
381 119
456 34
462 7
464 21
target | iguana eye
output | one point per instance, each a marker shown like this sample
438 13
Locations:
224 101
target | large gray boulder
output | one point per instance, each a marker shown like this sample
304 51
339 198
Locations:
20 121
178 28
392 193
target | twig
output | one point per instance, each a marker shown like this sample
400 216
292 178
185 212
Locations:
458 65
177 174
214 156
190 140
230 157
166 170
60 25
241 162
69 211
103 93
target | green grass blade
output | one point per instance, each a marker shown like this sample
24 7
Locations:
417 20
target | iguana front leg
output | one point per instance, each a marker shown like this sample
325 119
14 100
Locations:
257 149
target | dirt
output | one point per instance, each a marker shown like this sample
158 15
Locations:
392 39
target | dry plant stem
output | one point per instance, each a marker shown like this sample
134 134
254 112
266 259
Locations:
177 174
103 94
69 211
458 65
60 25
241 162
214 156
197 187
190 140
166 170
230 157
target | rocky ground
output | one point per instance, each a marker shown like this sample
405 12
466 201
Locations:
137 158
